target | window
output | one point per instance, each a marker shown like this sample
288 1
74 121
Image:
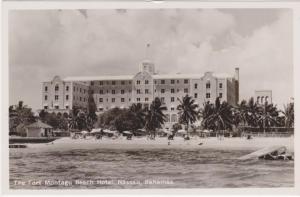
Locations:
146 99
122 100
83 99
186 81
138 82
79 98
56 88
56 97
74 89
146 82
101 109
207 95
129 82
172 99
67 88
67 97
46 97
162 99
113 100
195 85
100 100
138 91
123 82
172 91
138 99
107 83
113 91
45 107
177 81
46 88
207 85
67 107
84 91
80 90
101 91
146 91
162 91
172 108
122 91
220 95
56 107
92 83
101 83
172 81
196 95
162 81
185 90
220 85
113 83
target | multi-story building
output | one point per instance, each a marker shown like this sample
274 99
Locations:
263 96
124 90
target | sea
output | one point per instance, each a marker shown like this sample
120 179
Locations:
143 168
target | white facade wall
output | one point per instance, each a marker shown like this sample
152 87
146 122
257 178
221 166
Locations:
122 91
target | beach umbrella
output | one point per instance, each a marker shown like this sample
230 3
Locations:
108 131
127 132
167 131
205 131
181 131
84 132
96 131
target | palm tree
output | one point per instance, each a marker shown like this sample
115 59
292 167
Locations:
187 111
219 116
289 115
139 112
155 117
268 116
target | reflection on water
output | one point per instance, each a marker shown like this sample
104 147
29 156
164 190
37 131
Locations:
180 168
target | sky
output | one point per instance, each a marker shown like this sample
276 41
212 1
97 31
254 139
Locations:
45 43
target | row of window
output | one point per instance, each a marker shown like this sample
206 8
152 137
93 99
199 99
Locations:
56 88
101 83
56 107
138 82
113 91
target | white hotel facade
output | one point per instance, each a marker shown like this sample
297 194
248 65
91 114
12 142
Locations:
61 95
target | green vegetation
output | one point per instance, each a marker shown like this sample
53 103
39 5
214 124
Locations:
218 116
187 111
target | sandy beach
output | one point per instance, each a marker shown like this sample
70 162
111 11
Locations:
178 143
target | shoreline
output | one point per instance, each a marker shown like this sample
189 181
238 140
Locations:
225 144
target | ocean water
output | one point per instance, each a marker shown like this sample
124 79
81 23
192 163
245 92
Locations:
140 168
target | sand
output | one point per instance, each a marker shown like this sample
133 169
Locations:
178 142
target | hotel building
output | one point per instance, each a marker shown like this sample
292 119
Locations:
61 95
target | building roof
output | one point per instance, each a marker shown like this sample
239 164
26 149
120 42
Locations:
39 124
100 78
155 76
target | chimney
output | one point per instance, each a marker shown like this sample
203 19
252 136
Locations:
237 85
237 74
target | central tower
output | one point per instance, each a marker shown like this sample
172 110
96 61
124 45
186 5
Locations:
147 65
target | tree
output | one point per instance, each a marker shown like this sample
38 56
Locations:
268 116
155 117
187 111
20 114
139 113
91 114
218 116
289 115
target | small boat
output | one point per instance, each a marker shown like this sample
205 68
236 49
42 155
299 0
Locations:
269 153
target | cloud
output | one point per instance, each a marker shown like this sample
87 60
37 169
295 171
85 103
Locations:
99 42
